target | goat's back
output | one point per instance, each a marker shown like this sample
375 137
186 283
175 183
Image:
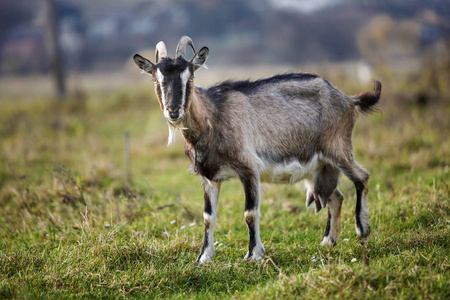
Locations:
289 115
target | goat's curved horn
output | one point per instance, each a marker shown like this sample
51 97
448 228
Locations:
182 44
161 51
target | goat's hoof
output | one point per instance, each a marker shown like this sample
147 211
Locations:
203 259
328 241
259 259
206 256
363 232
256 255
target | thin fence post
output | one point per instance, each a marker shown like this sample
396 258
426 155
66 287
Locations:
127 155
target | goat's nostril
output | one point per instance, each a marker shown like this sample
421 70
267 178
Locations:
174 112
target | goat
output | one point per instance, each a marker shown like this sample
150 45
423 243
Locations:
281 129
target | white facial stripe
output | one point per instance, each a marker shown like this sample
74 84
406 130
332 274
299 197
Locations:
160 78
184 76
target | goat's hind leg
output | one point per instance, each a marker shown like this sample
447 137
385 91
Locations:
211 195
328 195
360 178
324 193
333 219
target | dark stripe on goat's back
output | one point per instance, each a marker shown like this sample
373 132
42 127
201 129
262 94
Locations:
247 87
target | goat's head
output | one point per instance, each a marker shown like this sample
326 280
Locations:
173 77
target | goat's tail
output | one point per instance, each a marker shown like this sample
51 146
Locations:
367 100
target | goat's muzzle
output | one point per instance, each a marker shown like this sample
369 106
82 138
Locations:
174 117
174 113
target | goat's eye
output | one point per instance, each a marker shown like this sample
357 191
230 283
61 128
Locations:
191 78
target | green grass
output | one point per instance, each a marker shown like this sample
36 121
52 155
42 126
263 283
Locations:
71 225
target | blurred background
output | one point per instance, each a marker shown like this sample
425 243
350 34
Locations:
94 204
70 91
95 40
81 129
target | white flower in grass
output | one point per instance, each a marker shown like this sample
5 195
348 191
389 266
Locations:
353 259
192 224
183 227
173 221
345 240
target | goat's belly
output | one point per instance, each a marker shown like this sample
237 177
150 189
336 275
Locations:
225 173
290 172
287 172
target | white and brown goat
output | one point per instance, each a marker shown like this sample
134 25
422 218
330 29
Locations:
282 129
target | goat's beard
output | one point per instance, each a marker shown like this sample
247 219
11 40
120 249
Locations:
172 129
175 125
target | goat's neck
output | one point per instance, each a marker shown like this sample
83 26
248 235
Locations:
195 121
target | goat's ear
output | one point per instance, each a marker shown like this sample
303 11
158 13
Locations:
200 58
143 63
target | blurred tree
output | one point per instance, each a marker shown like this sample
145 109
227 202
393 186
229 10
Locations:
383 40
54 49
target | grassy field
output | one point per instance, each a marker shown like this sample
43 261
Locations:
75 223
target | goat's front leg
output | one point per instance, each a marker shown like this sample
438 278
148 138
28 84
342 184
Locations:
251 182
211 195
